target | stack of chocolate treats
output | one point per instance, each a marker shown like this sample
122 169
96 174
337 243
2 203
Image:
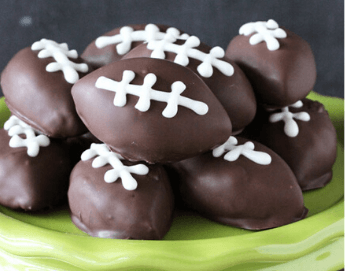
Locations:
36 157
231 132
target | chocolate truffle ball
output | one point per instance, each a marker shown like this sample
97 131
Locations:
234 92
112 45
253 189
34 183
40 98
108 210
307 144
151 127
279 77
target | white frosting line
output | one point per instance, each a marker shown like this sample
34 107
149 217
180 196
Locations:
160 42
128 35
15 127
146 93
247 149
290 127
185 51
265 31
104 156
297 104
61 54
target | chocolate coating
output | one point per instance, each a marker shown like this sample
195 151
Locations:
279 78
312 153
40 98
234 92
149 136
34 183
108 210
241 193
98 57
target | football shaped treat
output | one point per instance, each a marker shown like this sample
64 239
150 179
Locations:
225 79
35 169
113 198
151 110
242 184
304 136
113 45
279 64
37 86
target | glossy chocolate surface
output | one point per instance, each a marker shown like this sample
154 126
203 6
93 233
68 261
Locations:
279 78
311 154
149 136
34 183
241 193
40 98
108 210
234 92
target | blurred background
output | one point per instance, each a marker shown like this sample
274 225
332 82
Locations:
78 22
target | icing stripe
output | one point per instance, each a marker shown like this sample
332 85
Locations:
15 127
290 125
185 51
128 35
104 156
247 149
146 93
61 54
264 31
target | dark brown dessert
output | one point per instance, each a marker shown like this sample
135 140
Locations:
232 89
173 115
281 74
30 182
43 98
304 136
249 187
109 210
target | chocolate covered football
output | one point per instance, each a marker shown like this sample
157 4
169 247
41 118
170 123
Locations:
224 77
304 136
151 110
34 170
37 86
104 203
279 64
242 184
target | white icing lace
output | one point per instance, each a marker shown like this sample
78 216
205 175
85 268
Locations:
146 93
104 156
247 150
185 51
32 142
265 31
128 35
290 125
61 54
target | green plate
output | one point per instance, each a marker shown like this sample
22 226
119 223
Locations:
50 241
